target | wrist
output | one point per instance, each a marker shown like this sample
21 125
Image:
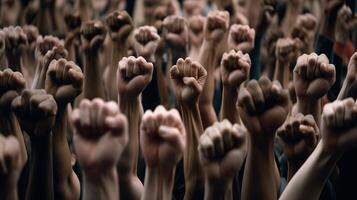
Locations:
102 184
221 190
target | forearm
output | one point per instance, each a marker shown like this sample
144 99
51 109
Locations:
158 184
118 53
8 192
192 168
229 109
280 73
40 185
220 191
207 60
292 12
312 107
93 83
312 176
261 177
14 62
62 168
101 186
253 9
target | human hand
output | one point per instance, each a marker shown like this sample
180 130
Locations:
338 126
47 49
299 136
162 138
133 75
11 85
193 7
31 34
188 78
349 88
73 21
146 41
36 112
15 43
286 50
241 38
216 26
100 135
195 30
313 76
263 106
176 33
120 24
235 67
345 22
64 81
93 35
222 149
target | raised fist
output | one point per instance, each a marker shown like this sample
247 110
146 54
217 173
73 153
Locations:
241 38
299 136
146 41
313 76
15 40
36 112
193 7
73 20
195 29
235 67
286 50
11 85
222 149
304 31
162 138
64 81
216 25
49 48
176 34
133 75
346 21
31 34
188 78
350 83
338 126
120 25
10 162
93 35
100 135
263 106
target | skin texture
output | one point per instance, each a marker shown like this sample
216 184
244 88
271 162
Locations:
11 166
263 107
73 23
64 80
47 49
339 135
15 41
162 140
349 87
195 35
121 26
188 78
304 32
235 67
299 136
215 31
241 38
28 56
133 75
92 37
313 77
346 21
222 150
100 137
36 112
146 41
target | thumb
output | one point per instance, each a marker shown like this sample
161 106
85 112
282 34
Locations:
192 83
171 135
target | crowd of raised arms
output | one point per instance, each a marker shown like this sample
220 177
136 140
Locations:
178 99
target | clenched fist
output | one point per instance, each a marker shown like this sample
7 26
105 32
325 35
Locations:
64 80
100 135
120 25
286 50
188 78
241 38
15 42
133 75
313 76
235 67
36 112
222 149
176 33
49 48
162 138
11 85
93 35
349 88
146 41
299 136
263 106
345 22
195 29
338 126
216 26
